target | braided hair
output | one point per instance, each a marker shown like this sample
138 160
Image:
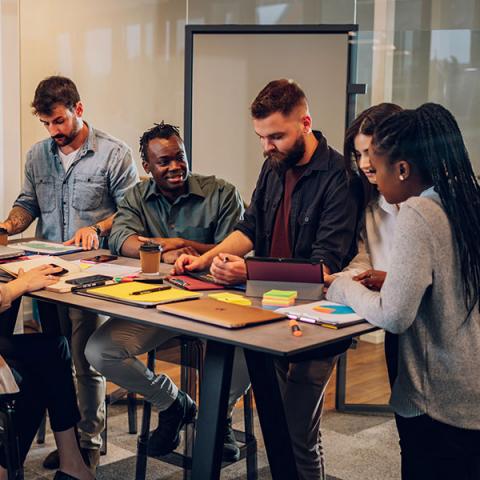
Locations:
365 123
429 138
159 130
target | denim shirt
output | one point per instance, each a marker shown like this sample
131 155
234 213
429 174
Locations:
88 192
323 215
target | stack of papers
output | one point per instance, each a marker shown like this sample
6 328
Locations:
47 248
279 298
325 313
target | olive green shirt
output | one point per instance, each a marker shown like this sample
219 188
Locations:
206 213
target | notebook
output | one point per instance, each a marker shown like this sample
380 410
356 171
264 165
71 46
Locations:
122 293
221 314
13 267
325 313
48 248
189 283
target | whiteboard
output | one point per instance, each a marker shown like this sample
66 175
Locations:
228 70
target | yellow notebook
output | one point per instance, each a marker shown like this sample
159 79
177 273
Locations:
122 293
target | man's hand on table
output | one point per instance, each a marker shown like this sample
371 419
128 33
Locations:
189 263
228 269
167 244
86 237
37 278
172 255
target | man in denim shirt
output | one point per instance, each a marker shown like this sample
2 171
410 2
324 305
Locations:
302 207
73 183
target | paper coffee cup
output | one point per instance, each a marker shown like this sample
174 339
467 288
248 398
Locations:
150 258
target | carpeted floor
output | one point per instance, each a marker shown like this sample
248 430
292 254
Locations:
357 447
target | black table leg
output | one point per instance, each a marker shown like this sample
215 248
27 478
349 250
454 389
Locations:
271 415
207 451
49 318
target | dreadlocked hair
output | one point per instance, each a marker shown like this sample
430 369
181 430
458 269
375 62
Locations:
159 130
429 139
365 123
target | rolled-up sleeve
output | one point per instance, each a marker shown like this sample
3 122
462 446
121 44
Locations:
230 212
28 196
127 222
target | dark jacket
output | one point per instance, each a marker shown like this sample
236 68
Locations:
323 216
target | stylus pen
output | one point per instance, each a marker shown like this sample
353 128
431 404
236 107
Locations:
151 290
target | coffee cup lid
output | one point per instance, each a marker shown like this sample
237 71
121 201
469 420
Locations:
150 247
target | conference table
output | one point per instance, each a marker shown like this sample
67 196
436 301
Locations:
262 344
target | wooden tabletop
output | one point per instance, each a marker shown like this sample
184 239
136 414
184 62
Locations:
275 338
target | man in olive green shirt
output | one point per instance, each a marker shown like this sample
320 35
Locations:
182 212
177 209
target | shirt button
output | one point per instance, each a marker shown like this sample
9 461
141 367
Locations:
171 226
307 219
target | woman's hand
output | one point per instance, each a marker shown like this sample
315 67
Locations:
372 279
228 269
37 278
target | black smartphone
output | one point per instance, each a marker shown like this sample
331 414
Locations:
100 259
63 271
88 280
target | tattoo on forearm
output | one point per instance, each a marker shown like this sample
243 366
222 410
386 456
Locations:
20 219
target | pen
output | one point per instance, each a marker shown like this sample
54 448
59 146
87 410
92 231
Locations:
295 327
151 290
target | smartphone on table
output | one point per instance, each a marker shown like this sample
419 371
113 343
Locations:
100 259
91 279
63 271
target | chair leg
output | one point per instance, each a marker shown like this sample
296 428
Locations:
142 442
10 443
251 441
42 430
104 434
132 412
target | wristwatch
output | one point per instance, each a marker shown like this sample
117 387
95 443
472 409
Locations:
97 229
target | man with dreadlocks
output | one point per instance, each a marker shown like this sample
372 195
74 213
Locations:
181 211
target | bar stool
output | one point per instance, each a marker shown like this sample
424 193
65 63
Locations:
191 361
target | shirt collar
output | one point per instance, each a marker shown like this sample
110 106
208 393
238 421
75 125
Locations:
193 188
320 157
89 145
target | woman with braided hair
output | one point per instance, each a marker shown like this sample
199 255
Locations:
430 296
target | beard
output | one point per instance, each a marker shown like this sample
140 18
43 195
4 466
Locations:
62 140
283 161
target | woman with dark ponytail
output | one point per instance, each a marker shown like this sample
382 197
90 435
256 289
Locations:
430 296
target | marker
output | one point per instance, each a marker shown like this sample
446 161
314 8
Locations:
151 290
295 327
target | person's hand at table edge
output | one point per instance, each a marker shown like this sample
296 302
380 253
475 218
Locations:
228 269
86 237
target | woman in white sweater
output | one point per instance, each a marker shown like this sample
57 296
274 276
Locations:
379 219
430 296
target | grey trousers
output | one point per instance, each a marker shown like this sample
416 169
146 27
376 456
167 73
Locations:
113 349
302 386
79 326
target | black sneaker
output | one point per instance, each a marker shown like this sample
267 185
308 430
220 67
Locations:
166 436
231 452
